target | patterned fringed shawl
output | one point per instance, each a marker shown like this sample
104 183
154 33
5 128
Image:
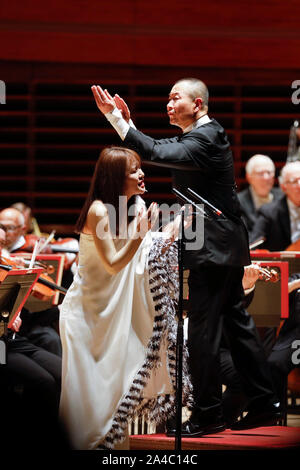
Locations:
164 288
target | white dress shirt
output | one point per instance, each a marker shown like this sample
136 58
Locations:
294 220
20 242
118 122
202 120
260 201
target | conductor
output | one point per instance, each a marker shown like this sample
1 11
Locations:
201 159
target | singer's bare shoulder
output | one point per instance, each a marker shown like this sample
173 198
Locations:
98 209
96 213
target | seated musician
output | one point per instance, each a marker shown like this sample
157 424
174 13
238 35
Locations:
30 221
25 238
29 414
279 350
13 222
37 326
2 239
260 173
69 246
279 221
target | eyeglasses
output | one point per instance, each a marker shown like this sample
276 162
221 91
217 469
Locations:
9 228
293 182
260 174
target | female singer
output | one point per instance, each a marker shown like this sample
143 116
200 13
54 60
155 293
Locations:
117 321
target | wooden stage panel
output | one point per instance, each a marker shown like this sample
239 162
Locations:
273 437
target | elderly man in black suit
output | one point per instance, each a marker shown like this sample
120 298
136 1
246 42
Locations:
279 222
200 158
260 173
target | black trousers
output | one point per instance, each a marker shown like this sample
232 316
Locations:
216 299
234 398
33 413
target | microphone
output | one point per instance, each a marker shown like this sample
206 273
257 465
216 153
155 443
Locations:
189 201
256 243
200 198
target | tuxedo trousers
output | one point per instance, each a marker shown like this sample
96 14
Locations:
216 301
30 413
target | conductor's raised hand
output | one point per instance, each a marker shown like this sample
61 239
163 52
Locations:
122 106
103 99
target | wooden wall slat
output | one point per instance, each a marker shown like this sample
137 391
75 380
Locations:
51 132
223 51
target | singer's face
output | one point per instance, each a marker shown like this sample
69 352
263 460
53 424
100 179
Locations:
181 107
134 182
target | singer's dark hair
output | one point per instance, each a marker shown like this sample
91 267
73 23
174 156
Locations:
108 181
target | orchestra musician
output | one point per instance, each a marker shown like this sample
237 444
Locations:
32 412
279 221
39 327
31 225
31 233
200 158
260 173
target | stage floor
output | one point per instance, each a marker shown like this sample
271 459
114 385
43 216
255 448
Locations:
274 437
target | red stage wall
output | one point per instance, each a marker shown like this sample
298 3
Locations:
210 34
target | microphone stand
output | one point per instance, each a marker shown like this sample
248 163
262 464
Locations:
180 324
214 209
180 338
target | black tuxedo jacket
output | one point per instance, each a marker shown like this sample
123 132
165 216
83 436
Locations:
273 223
202 160
249 213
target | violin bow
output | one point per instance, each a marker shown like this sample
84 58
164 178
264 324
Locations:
34 253
43 246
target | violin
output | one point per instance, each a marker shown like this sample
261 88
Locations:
44 288
66 246
267 274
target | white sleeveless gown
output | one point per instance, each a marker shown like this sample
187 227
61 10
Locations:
118 351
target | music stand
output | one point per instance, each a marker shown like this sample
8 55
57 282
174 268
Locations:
56 261
15 287
270 304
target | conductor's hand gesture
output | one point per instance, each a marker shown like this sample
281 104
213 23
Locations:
104 100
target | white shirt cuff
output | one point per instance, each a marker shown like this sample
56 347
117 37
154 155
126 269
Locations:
118 122
248 291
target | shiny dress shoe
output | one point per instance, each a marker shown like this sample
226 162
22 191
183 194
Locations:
269 416
190 429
